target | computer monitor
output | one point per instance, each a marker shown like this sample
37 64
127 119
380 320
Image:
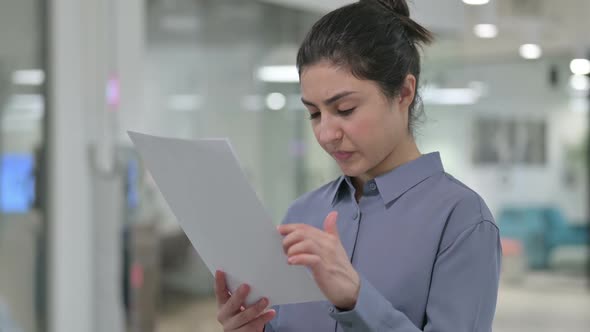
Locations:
17 182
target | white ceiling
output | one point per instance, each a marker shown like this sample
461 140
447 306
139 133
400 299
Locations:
441 14
560 27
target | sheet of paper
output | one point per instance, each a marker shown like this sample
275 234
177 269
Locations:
207 191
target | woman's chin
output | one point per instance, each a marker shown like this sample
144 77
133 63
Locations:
351 171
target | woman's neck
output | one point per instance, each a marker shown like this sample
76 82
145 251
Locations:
401 154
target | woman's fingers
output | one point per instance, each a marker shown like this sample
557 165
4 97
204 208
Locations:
303 234
305 259
288 228
304 247
292 239
258 323
247 315
231 312
232 306
221 291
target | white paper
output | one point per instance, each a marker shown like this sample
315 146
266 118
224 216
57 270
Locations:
207 191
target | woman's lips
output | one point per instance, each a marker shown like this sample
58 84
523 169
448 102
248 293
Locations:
342 156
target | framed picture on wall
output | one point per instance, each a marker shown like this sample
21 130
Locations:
509 141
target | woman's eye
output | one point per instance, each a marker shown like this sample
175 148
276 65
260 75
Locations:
346 112
314 115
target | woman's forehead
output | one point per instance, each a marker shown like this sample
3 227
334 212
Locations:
322 82
326 67
325 80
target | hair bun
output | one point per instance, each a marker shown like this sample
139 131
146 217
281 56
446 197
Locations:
399 7
415 32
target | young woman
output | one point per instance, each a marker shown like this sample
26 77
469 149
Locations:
395 244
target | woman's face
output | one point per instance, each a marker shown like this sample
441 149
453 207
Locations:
353 120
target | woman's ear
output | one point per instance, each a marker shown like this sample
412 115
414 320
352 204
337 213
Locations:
407 92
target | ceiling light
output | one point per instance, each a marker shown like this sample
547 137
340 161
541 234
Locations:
476 2
276 101
580 66
28 77
530 51
580 82
485 30
278 74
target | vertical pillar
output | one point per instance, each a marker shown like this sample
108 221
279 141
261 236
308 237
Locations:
69 206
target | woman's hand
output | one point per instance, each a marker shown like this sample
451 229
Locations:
231 312
324 254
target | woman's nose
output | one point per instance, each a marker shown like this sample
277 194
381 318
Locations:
329 131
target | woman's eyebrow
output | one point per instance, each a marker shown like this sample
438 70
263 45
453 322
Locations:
330 100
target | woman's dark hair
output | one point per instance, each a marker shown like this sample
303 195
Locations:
376 39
